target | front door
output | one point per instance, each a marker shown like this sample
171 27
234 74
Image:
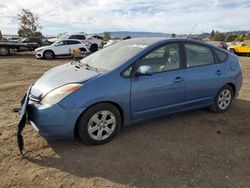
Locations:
163 91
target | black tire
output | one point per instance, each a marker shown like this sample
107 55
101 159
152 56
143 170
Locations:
4 51
49 55
93 48
220 99
84 124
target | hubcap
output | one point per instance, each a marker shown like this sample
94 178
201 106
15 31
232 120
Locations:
224 99
49 55
101 125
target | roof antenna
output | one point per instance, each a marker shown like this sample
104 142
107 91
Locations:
191 31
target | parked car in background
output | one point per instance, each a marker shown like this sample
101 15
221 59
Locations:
33 40
127 82
46 42
93 43
8 47
60 48
14 39
241 49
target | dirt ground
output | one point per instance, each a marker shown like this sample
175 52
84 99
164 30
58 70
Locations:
190 149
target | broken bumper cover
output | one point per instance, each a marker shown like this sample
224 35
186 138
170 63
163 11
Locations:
53 122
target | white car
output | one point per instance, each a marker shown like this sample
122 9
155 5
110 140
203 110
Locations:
60 48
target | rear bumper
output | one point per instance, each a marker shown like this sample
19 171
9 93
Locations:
53 122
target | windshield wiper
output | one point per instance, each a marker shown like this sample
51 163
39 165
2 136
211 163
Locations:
90 67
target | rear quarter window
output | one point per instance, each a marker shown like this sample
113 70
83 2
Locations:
220 55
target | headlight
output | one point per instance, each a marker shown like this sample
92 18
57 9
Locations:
58 94
39 50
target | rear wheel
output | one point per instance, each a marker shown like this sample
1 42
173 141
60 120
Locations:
48 54
99 124
4 51
223 99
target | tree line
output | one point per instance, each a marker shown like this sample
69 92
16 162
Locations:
218 36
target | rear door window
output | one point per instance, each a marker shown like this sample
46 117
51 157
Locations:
198 55
71 42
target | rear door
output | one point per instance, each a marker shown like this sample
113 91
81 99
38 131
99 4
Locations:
163 91
203 75
72 45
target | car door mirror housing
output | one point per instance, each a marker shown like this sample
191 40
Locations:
144 70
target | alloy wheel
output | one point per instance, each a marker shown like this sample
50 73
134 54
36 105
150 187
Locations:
101 125
224 99
49 55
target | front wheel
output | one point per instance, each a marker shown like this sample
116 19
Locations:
48 55
4 51
99 124
223 99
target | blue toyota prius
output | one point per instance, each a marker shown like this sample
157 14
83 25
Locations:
128 82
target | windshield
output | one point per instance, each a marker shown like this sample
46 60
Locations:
113 56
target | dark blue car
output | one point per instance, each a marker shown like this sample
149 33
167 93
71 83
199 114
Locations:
130 81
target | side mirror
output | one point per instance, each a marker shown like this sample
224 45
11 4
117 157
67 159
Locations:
144 70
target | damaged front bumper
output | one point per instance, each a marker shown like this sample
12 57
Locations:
22 120
51 122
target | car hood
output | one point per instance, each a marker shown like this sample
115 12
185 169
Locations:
41 48
59 76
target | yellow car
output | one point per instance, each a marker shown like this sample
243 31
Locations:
244 48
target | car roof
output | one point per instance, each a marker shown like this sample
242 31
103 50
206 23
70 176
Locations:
155 40
70 40
152 40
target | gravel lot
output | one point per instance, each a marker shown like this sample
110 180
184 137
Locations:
190 149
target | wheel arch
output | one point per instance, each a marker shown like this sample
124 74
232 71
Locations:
95 46
110 102
233 87
47 51
83 49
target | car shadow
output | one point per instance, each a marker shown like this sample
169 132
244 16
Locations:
171 150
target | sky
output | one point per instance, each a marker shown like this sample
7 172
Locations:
94 16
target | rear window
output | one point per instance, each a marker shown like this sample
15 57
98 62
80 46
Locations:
221 55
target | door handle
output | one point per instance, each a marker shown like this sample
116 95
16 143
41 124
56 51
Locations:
218 72
178 79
